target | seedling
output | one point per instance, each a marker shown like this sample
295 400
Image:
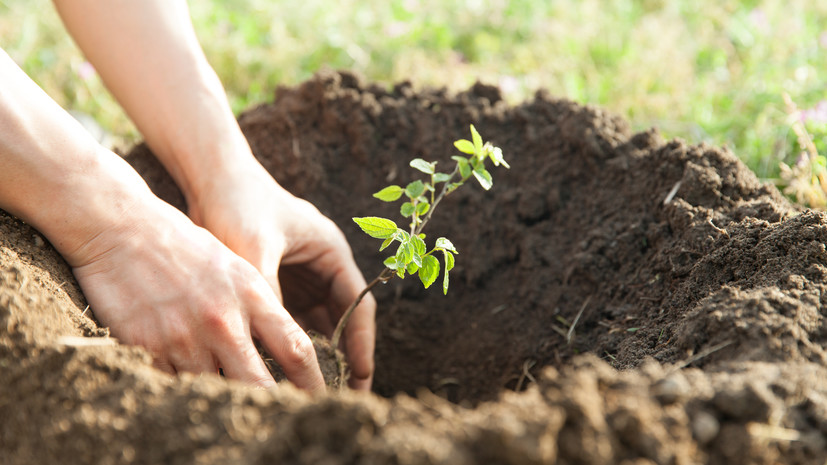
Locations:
419 203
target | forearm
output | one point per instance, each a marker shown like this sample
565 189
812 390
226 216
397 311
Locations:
53 174
149 57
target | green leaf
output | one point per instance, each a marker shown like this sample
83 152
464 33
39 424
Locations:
412 268
484 177
429 270
415 189
422 165
464 169
422 208
449 260
374 226
477 138
404 254
442 177
418 249
477 163
445 244
386 243
464 146
449 265
419 245
390 262
401 235
407 209
496 156
389 194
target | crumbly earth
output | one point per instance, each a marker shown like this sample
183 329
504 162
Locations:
618 298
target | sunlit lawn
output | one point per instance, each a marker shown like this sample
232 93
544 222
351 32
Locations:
702 70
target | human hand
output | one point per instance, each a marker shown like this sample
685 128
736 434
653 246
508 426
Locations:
191 128
148 272
301 253
159 281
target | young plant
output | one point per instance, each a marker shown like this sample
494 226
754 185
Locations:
420 201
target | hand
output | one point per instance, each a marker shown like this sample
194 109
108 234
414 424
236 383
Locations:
147 271
300 252
161 282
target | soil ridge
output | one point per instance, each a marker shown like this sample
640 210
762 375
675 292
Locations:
702 285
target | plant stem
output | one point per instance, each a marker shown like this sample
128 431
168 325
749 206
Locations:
414 218
439 198
383 277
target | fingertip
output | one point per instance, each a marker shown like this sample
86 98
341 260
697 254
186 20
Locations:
241 361
360 384
292 348
360 341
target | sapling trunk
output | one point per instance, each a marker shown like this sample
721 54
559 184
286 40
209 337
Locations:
383 277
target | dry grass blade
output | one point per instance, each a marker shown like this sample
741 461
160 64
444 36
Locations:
570 334
804 139
699 355
671 194
526 374
806 179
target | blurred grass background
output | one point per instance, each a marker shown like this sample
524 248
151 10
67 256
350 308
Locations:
702 70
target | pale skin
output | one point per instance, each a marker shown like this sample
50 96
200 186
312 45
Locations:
193 290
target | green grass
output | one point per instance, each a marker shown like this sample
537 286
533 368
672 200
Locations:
701 70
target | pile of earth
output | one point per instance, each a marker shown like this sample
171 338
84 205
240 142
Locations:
617 299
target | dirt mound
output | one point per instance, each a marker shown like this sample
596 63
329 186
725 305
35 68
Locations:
670 262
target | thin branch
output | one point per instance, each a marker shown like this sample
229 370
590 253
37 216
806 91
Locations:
383 277
439 198
414 217
432 191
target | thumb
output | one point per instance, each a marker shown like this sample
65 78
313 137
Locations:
269 269
265 258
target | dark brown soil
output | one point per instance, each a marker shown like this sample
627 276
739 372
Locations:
700 337
331 361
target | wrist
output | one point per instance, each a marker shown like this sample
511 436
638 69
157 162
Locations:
195 134
85 210
216 162
237 178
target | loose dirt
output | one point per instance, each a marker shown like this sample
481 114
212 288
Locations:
618 298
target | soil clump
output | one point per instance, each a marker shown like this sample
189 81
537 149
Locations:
618 298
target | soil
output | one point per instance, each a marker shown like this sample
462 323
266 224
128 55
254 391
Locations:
618 298
332 362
